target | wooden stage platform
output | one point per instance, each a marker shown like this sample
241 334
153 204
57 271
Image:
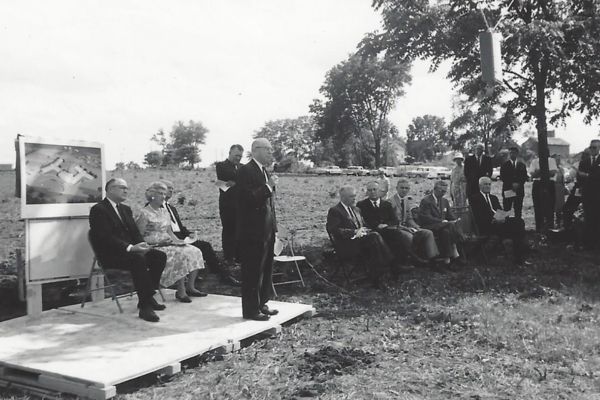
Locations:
88 351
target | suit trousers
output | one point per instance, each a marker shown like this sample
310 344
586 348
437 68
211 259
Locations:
424 244
227 212
209 255
377 254
446 235
591 218
399 242
145 270
257 274
514 229
543 205
516 202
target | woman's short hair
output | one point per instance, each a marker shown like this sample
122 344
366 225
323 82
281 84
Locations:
151 191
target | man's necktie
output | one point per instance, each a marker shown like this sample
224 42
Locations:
264 170
375 204
440 206
593 160
487 199
402 209
354 217
121 215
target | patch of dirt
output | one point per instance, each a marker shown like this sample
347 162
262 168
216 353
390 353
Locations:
331 361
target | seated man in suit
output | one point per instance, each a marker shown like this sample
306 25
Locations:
436 215
423 240
119 244
484 206
380 217
212 262
347 227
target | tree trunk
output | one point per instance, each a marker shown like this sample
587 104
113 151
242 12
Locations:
541 126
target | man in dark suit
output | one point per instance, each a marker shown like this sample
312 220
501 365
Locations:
379 216
227 172
484 207
347 227
212 261
436 215
513 174
119 244
476 166
256 231
589 175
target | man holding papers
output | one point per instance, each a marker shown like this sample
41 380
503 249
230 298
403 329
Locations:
492 220
513 174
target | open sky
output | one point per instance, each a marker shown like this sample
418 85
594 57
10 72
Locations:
117 71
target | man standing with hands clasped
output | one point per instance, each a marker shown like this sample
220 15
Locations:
513 174
257 228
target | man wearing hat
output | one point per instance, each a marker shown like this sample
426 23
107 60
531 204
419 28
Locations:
513 174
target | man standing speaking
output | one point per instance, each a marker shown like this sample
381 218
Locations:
257 227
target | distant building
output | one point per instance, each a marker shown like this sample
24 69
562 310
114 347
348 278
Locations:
555 145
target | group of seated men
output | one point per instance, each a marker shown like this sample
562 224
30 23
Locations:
387 234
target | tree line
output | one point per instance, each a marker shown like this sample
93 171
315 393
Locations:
549 70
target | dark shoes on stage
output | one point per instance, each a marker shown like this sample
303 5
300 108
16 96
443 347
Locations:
268 311
148 314
257 317
183 299
153 305
196 293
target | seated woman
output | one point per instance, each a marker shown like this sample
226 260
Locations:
183 260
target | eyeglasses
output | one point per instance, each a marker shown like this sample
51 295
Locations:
122 187
263 147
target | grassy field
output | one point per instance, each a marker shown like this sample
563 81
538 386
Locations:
484 332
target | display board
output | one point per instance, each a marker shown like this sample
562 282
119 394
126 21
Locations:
59 178
58 249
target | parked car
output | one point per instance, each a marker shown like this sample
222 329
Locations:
439 173
333 170
388 171
373 172
418 172
355 170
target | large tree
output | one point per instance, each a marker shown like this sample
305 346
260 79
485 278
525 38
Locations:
359 93
427 136
182 144
288 135
548 52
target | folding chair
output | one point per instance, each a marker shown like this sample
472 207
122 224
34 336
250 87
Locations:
98 269
288 259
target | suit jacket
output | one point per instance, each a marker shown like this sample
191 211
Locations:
342 228
227 171
474 171
590 185
483 215
406 218
372 216
430 214
256 211
183 231
510 174
111 236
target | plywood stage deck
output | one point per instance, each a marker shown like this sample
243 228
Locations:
88 351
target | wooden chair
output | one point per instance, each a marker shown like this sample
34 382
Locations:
476 242
293 259
98 269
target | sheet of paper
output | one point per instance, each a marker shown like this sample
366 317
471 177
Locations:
508 194
188 240
500 215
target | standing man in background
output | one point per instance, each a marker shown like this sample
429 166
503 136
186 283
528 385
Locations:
543 197
589 175
227 172
257 228
476 166
513 174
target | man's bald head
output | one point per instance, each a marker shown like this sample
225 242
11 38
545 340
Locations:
348 195
262 151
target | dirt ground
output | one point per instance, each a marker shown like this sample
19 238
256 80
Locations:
485 331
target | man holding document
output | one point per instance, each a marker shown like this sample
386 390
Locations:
513 174
491 219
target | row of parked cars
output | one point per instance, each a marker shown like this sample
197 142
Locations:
410 171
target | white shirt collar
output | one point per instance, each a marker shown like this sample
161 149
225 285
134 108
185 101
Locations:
484 194
112 203
258 163
435 198
375 201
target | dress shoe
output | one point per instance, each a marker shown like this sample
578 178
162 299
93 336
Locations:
183 299
196 293
268 311
257 317
156 306
230 280
148 314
